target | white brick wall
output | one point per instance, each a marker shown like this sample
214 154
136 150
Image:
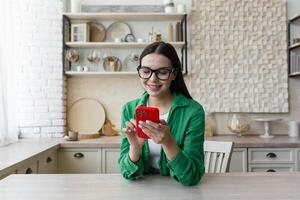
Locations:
42 110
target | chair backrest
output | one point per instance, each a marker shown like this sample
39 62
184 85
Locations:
217 156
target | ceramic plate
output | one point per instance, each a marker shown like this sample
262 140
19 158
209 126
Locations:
97 32
117 30
86 116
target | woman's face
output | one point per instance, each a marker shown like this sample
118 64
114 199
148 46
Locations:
153 85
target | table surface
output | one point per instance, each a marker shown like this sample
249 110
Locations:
275 186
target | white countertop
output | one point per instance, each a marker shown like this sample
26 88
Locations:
11 155
258 186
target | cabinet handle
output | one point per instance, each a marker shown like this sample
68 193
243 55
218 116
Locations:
49 159
78 155
271 155
28 171
271 170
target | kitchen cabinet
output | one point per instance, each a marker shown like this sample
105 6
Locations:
48 163
79 160
271 159
31 168
293 48
110 160
238 162
136 22
95 160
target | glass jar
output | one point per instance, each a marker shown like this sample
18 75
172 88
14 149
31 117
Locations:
238 124
209 125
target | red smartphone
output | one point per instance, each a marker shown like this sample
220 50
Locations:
143 113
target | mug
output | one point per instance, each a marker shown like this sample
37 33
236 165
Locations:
79 68
117 40
141 40
293 129
73 135
181 8
85 68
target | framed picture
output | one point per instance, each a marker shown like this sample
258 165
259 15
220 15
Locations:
80 32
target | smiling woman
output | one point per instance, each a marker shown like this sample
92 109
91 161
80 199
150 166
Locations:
8 122
175 146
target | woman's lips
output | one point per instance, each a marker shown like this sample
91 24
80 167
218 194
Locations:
154 88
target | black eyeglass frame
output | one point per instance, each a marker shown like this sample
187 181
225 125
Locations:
155 72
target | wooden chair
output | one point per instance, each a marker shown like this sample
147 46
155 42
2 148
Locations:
217 156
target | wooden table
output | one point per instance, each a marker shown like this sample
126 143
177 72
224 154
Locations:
256 186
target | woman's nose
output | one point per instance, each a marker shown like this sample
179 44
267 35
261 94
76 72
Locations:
153 77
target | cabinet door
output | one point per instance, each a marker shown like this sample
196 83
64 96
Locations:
298 159
110 160
48 163
28 169
79 161
238 162
271 168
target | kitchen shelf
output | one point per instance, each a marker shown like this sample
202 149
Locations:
294 19
294 74
125 16
73 18
98 74
293 67
294 46
86 45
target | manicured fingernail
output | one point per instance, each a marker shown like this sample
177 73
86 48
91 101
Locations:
140 126
147 121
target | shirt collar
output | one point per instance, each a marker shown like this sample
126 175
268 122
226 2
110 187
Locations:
179 100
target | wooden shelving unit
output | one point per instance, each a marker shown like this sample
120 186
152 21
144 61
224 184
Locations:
293 70
69 18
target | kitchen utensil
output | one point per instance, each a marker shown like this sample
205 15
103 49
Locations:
130 62
117 30
112 63
129 38
109 129
72 55
97 32
86 116
94 57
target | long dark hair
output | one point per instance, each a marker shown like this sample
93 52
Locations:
166 49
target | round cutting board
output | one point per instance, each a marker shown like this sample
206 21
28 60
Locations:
86 116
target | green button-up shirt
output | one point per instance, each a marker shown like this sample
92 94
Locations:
186 123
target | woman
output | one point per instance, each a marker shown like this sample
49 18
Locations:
175 146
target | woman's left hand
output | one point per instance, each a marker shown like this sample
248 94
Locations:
158 132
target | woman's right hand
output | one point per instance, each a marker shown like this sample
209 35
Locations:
136 143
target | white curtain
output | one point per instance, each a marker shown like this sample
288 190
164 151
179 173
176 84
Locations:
8 75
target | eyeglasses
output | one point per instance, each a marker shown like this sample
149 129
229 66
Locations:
161 73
